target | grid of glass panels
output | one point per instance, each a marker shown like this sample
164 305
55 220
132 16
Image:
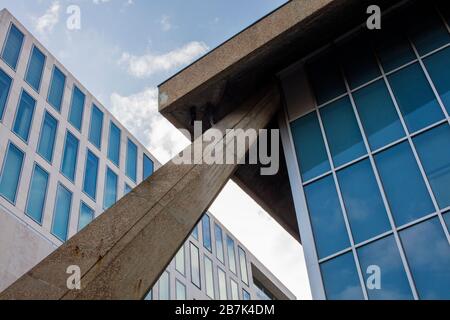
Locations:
374 157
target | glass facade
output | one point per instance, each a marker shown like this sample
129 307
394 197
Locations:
47 137
220 254
131 161
110 196
180 290
195 265
70 156
37 194
231 255
374 160
206 232
96 127
209 277
147 169
24 116
114 144
90 175
164 286
222 279
5 86
76 110
86 215
234 288
243 265
12 46
179 261
61 215
56 89
11 171
35 68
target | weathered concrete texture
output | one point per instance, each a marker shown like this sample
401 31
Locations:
122 253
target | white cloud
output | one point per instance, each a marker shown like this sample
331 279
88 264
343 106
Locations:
139 114
45 23
166 25
146 65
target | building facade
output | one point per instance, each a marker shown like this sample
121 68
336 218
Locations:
65 159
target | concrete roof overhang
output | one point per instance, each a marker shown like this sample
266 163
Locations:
217 82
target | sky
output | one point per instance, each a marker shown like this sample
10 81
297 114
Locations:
123 49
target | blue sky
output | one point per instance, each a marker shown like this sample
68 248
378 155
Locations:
124 49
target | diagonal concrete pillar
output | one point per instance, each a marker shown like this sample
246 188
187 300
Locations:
122 253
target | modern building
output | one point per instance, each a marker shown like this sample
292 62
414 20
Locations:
65 159
364 179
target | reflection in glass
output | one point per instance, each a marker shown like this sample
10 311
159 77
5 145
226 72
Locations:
428 253
219 243
56 89
96 127
12 46
47 137
234 290
243 265
209 277
340 278
24 116
37 194
179 261
384 255
61 214
110 196
403 183
77 108
90 175
378 115
343 134
365 209
70 156
195 265
437 66
327 220
164 286
86 216
231 254
180 290
206 232
11 170
222 278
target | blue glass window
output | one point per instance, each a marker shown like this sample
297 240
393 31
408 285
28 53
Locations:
327 220
77 108
56 90
114 144
37 194
47 137
195 232
110 196
343 134
90 175
12 168
35 68
403 183
24 116
195 265
378 115
415 97
433 148
206 231
426 29
131 160
70 156
243 265
61 215
309 146
86 216
219 243
148 167
95 130
428 253
438 65
384 254
245 295
127 188
365 209
12 47
359 62
447 220
5 85
231 254
326 78
340 278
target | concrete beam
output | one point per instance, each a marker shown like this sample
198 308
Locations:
123 252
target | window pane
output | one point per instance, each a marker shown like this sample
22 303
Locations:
95 130
243 265
114 144
164 286
195 232
326 78
180 290
62 213
378 115
234 290
426 29
231 255
12 47
340 278
179 261
359 62
131 163
35 68
438 65
12 167
365 209
384 255
90 175
127 188
433 148
5 85
209 277
110 196
86 216
419 106
309 146
77 108
404 186
327 220
56 90
47 137
70 156
195 265
343 134
148 167
24 116
37 194
222 278
219 243
447 220
206 229
245 295
428 253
